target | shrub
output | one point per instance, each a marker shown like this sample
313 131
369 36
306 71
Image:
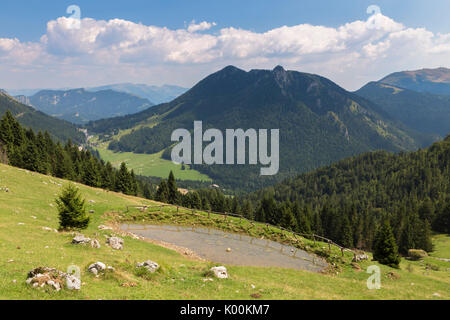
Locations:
72 209
417 254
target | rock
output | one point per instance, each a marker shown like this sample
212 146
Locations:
53 278
392 275
228 249
436 294
49 229
80 239
21 224
220 272
95 244
149 265
102 227
91 211
360 257
207 279
356 267
97 267
115 243
73 283
91 201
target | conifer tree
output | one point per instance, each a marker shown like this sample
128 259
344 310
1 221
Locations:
72 209
385 248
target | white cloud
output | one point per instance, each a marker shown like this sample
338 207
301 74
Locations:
120 50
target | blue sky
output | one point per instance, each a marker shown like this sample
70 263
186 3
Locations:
26 19
322 36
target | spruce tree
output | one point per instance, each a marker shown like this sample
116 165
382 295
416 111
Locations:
174 195
385 248
72 209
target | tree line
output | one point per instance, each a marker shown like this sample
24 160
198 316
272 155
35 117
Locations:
39 153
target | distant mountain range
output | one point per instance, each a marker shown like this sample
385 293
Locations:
80 106
319 121
425 112
435 81
39 121
155 94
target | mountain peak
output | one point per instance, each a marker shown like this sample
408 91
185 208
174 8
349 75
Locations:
279 69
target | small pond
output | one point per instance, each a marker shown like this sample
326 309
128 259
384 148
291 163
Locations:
212 244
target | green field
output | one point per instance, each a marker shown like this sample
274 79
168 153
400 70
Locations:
24 245
151 165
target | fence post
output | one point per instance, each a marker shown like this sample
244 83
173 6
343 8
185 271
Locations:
329 245
178 208
209 214
342 250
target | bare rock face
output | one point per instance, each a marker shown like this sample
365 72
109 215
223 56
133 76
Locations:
220 272
149 265
115 243
81 239
50 277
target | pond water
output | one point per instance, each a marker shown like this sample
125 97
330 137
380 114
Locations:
212 244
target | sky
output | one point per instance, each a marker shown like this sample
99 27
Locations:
180 42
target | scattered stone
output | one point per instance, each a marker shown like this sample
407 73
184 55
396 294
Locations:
208 279
436 294
81 239
356 267
115 243
11 260
14 281
49 229
102 227
129 284
149 265
360 257
21 224
228 249
96 268
392 275
91 201
53 278
220 272
34 217
255 295
95 244
253 286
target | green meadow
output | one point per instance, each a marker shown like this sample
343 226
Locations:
24 245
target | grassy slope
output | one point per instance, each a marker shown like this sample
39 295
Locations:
31 195
151 165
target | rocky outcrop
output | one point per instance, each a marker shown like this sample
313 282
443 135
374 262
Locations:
220 272
115 243
149 265
52 278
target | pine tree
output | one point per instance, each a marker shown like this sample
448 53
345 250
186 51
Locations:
162 194
385 248
72 209
174 194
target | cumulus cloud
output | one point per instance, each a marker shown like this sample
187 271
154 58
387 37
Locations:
351 54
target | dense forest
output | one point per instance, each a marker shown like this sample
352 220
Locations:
347 201
23 148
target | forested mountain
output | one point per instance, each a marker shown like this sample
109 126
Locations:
37 152
425 112
38 121
155 94
346 201
435 81
319 121
81 106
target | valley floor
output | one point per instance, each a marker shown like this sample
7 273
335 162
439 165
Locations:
28 206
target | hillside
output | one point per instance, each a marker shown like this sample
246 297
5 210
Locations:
346 201
425 112
38 121
435 81
28 207
155 94
319 122
81 106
